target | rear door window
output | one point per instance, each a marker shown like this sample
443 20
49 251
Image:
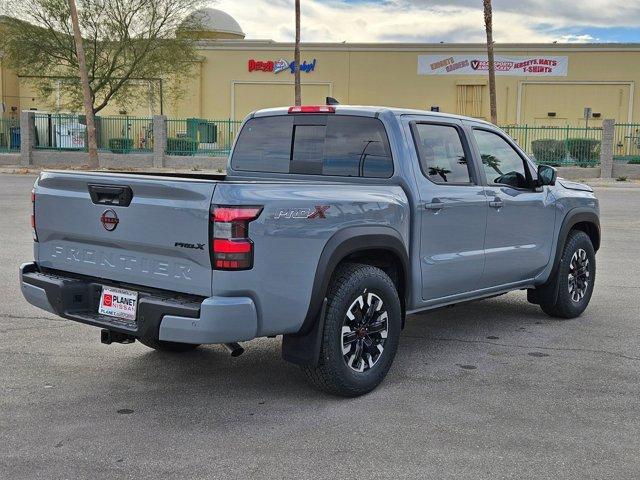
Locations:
442 156
340 145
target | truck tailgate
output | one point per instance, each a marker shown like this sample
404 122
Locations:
160 239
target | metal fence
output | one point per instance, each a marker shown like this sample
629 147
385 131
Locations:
125 134
559 146
626 143
9 135
552 145
117 134
196 136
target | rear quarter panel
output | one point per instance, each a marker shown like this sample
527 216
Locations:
288 245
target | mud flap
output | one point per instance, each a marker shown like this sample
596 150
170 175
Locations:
547 292
304 349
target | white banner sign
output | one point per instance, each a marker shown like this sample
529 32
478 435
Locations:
534 66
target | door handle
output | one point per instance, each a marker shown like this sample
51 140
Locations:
436 205
496 203
111 195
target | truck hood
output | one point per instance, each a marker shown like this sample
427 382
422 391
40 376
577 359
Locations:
574 185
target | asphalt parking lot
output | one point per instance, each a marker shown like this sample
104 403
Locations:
492 389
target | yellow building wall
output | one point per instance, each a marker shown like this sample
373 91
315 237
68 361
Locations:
221 86
569 100
601 78
9 93
231 91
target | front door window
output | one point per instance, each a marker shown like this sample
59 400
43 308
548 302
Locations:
501 163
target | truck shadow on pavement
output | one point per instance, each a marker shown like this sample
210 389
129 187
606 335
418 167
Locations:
448 339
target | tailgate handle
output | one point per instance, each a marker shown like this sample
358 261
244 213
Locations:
111 195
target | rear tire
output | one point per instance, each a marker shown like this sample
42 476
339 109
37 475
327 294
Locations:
576 277
361 331
163 346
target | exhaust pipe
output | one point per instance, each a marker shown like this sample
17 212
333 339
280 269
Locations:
108 337
234 348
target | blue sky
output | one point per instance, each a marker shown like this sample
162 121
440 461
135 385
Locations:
439 20
614 34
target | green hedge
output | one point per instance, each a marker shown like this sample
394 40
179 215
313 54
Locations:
549 152
632 159
121 145
181 146
585 151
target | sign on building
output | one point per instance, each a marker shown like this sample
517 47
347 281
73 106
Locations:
281 65
534 66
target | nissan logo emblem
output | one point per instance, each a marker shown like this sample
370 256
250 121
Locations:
109 220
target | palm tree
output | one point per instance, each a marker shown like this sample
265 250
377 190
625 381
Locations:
86 91
488 25
296 57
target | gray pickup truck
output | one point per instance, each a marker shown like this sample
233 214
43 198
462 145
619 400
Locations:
332 224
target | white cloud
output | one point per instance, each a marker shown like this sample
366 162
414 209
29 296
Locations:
577 38
429 21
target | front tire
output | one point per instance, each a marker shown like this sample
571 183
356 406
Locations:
361 331
576 277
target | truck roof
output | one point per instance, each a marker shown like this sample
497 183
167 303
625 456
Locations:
371 110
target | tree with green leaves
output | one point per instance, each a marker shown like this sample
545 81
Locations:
125 43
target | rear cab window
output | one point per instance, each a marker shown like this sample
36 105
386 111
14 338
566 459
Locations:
339 145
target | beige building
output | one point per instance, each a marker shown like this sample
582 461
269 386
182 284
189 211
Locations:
537 84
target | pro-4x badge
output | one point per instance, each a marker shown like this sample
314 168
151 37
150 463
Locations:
319 211
194 246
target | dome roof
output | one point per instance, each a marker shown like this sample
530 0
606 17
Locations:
214 21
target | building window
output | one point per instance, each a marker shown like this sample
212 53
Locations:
470 100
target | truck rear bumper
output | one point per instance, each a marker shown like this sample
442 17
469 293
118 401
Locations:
221 320
160 315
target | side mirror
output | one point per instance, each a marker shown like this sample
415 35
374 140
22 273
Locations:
547 175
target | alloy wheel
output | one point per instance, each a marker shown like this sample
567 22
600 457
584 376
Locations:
364 332
578 275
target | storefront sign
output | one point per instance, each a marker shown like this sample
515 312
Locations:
534 66
277 66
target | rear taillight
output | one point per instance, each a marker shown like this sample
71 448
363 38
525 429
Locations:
33 215
231 247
